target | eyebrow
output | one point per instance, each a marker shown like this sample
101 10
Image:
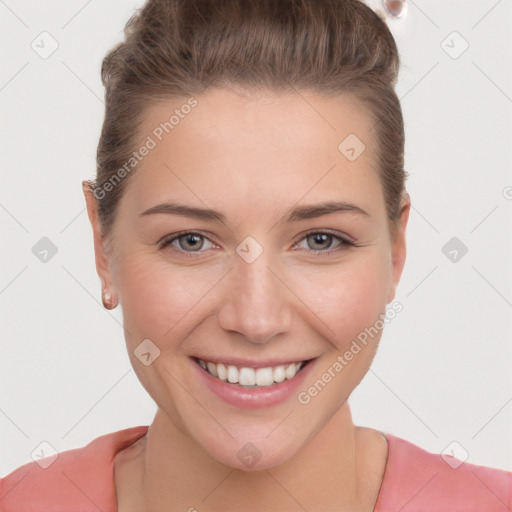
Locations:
298 213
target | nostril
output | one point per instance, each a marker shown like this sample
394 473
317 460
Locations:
394 8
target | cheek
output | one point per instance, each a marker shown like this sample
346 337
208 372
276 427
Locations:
158 299
350 299
351 303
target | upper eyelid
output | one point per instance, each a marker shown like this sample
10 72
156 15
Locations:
179 234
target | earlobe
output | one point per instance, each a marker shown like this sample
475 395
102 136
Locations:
108 295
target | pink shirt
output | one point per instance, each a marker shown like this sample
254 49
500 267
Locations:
82 480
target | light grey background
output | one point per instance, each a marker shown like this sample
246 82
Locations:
443 370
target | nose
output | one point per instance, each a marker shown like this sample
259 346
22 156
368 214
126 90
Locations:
255 303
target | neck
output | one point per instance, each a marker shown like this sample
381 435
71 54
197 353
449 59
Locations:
332 472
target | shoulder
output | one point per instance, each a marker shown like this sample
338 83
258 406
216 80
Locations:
415 479
77 480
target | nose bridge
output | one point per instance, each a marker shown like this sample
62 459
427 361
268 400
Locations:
256 301
256 284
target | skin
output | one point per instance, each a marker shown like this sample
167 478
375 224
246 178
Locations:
253 159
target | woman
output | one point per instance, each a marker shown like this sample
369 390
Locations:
249 214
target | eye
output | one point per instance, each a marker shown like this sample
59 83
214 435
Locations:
324 241
188 242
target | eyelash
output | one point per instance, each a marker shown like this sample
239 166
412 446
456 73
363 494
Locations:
345 243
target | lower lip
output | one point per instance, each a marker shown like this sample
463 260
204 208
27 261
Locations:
253 398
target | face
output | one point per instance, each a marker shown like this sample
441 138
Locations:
270 257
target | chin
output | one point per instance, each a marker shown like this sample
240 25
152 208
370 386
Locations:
252 456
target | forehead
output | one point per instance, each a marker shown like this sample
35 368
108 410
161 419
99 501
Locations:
257 149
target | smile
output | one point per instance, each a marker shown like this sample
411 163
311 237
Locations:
252 377
251 384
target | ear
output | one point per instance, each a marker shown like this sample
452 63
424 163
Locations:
103 267
398 245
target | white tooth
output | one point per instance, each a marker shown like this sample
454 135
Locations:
232 374
212 368
202 364
222 372
264 377
279 375
290 371
246 377
250 377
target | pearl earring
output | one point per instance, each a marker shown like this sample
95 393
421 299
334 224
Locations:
108 302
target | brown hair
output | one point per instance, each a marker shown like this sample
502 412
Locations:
177 48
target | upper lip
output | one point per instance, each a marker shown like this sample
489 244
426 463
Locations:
252 363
